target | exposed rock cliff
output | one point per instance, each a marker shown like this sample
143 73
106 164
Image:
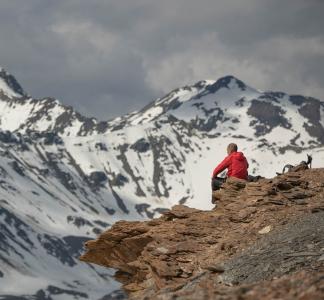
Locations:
264 240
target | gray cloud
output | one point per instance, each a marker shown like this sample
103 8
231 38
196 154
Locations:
108 58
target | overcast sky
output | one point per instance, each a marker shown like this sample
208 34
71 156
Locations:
110 57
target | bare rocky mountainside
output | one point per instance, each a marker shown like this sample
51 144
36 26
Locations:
66 178
264 240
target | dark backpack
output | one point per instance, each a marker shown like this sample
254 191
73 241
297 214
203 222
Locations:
303 165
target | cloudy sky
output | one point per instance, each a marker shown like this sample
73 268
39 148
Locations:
110 57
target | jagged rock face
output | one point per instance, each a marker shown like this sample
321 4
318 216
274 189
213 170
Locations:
268 116
9 86
262 235
63 174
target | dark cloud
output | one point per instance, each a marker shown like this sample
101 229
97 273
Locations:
108 58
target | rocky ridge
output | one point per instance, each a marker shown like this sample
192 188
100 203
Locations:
264 240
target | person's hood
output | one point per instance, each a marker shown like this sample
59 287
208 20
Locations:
238 155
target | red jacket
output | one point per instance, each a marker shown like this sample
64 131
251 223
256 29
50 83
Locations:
236 164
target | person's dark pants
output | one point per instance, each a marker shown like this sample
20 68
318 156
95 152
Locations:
254 178
217 183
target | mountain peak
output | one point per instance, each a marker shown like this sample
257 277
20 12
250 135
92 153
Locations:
9 85
228 82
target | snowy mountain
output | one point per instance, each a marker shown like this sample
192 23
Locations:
65 178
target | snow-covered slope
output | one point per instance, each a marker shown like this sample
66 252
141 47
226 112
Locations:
64 177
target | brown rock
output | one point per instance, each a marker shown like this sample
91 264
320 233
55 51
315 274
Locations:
179 255
180 211
216 268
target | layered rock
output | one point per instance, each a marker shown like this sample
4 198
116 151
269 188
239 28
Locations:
264 239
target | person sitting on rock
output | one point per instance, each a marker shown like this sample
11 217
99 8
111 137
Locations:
235 163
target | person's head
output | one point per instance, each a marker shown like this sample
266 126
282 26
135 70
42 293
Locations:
231 148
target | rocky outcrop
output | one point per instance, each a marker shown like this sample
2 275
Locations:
264 240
